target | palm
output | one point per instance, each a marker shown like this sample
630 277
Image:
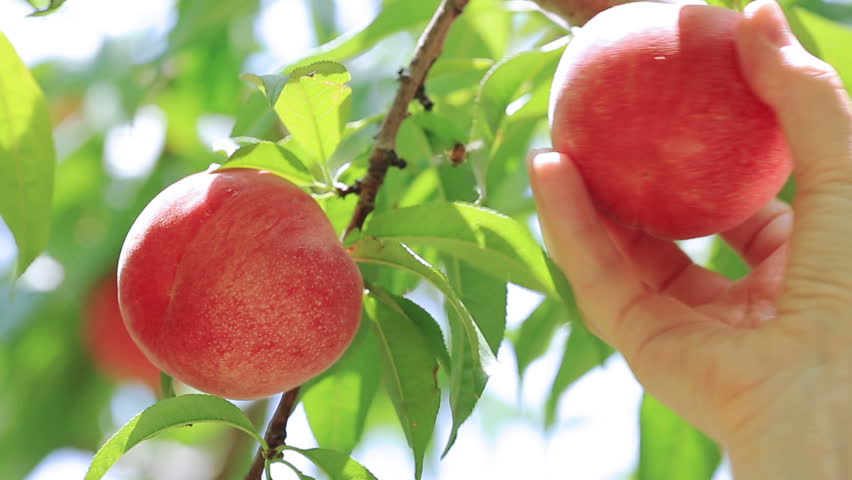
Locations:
679 325
676 353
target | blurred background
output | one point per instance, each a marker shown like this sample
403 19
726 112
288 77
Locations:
144 93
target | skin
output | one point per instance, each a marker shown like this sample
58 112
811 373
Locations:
235 283
763 365
109 344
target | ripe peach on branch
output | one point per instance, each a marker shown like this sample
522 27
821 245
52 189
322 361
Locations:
235 283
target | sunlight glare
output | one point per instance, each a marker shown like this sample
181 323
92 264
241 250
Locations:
45 274
131 150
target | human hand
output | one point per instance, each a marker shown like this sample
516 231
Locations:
763 364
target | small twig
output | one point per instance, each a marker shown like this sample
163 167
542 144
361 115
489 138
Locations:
457 154
411 80
276 433
383 157
424 99
396 161
344 190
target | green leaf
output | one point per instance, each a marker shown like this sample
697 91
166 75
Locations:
314 106
469 351
428 328
27 157
506 82
826 39
337 402
485 298
335 464
467 380
536 333
726 260
737 5
449 75
487 240
256 118
583 352
199 24
269 85
392 18
409 369
170 413
671 448
51 7
396 255
356 143
484 30
272 157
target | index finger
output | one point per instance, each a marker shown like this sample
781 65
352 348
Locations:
607 287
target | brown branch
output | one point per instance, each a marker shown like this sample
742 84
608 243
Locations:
276 433
411 80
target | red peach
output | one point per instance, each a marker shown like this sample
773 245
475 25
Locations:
650 104
235 283
109 344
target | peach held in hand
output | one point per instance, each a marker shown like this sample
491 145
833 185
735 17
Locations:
650 104
234 282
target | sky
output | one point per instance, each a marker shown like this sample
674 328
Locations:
596 437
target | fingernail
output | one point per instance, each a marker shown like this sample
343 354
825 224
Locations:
771 21
544 158
533 160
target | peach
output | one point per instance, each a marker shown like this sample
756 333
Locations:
650 104
107 340
235 283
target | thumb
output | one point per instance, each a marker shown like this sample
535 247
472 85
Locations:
815 114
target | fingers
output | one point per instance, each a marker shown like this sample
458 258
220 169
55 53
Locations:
762 234
805 92
815 114
664 267
617 305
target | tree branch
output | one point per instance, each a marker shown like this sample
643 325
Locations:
276 433
411 80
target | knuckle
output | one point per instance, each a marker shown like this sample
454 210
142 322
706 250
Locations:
812 68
